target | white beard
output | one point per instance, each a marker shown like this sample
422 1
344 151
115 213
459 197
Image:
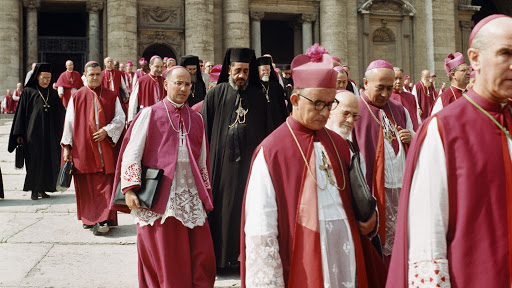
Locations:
265 78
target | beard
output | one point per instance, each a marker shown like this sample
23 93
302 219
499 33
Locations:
193 78
343 131
238 87
427 83
265 78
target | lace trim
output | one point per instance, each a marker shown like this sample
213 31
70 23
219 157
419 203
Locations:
263 262
133 173
206 178
427 274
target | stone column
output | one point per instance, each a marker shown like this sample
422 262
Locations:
94 8
199 33
121 35
429 35
10 48
256 17
236 23
466 27
333 27
31 6
297 39
307 31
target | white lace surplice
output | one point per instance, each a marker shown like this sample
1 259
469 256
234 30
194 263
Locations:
263 262
183 203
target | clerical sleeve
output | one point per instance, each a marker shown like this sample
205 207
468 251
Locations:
408 123
116 126
428 215
203 165
263 263
438 106
67 133
60 90
131 168
134 102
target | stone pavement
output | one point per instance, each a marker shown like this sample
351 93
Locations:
42 244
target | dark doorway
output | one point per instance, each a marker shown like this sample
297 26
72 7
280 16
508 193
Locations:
62 36
277 40
160 50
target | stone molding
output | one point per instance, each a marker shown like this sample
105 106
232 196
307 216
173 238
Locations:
94 6
32 4
383 34
466 5
466 25
256 15
393 7
308 18
168 17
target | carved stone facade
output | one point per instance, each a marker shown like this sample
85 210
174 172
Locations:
357 31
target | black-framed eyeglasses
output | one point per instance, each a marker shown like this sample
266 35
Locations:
320 105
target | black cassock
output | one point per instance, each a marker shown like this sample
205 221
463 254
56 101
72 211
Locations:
40 124
231 150
276 104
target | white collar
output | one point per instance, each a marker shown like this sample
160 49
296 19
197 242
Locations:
174 103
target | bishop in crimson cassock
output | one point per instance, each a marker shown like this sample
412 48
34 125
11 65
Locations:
112 79
383 133
458 73
148 90
298 224
405 98
424 94
16 94
69 81
93 125
455 221
173 237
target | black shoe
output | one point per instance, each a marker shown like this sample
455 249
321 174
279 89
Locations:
85 226
34 195
99 229
44 195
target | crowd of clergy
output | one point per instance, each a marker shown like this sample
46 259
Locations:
257 164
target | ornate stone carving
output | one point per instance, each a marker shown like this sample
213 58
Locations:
308 17
94 6
256 15
466 25
383 34
160 15
32 4
396 7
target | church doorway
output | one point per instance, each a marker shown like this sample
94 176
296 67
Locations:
62 36
277 39
160 50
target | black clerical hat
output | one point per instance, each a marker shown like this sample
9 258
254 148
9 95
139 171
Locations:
40 67
189 60
264 60
241 54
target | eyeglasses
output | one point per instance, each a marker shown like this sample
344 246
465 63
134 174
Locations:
191 69
320 105
286 73
347 114
188 85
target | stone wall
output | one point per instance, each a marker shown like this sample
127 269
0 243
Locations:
444 36
10 65
121 37
199 29
236 23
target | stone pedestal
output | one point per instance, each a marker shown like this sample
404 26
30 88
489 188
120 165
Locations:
256 31
94 8
31 44
10 48
307 31
199 32
121 35
236 23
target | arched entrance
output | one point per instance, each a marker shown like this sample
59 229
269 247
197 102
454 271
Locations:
160 50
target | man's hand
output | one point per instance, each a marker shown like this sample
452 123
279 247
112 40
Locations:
61 95
368 226
100 135
19 140
420 112
404 135
66 153
127 99
132 200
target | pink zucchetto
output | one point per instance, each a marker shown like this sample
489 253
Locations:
335 58
452 61
129 63
142 61
340 68
481 24
154 57
214 74
407 77
379 64
314 69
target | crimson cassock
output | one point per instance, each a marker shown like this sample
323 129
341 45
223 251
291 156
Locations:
370 140
479 191
69 80
41 129
450 95
93 181
299 246
10 104
426 97
232 141
407 100
170 254
17 92
151 90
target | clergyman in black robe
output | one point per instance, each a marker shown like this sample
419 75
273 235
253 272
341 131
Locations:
38 124
235 116
274 92
198 90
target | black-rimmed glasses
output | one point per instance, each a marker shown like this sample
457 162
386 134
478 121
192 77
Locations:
320 105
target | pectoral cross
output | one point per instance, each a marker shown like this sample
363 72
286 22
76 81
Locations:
389 136
327 168
46 106
182 139
71 80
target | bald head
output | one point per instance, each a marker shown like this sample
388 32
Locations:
342 119
178 84
491 58
109 63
